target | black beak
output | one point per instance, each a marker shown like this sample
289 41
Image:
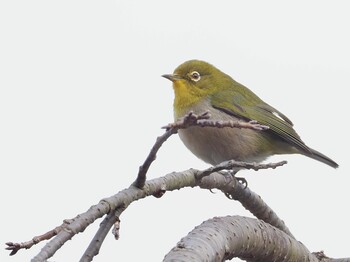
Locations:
172 77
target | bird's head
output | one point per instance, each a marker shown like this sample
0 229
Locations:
194 81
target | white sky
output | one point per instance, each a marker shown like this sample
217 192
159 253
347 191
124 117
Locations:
82 101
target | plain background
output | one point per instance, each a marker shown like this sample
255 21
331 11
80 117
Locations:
82 102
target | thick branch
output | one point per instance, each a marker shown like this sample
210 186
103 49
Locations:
249 199
124 198
223 238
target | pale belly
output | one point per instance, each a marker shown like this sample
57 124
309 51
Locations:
215 145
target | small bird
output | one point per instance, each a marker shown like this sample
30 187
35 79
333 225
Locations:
200 87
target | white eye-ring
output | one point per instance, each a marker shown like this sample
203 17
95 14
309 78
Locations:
195 76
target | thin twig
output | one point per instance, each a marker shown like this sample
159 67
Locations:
203 120
232 164
15 247
188 120
171 129
141 176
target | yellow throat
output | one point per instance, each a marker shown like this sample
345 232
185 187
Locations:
185 97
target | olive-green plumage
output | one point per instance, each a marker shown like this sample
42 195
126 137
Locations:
201 87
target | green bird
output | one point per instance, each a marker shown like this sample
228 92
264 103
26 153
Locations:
200 87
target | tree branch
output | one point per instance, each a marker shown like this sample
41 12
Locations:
232 165
173 181
249 199
211 178
170 182
223 238
15 247
202 120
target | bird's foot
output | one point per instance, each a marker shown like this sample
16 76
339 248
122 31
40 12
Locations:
243 181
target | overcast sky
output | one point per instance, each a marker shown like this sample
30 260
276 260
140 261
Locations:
82 101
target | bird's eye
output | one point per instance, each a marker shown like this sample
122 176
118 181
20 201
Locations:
195 76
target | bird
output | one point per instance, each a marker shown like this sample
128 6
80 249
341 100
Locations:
200 87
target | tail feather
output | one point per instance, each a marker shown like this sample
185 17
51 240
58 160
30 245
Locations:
322 158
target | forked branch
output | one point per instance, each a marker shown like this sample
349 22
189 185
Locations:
188 120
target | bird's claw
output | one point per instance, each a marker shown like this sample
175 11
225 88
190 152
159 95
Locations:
14 247
243 181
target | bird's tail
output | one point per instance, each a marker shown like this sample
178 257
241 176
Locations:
322 158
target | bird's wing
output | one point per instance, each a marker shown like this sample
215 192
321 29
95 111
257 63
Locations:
247 106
